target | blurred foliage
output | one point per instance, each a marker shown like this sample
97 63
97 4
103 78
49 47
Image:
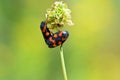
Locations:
92 51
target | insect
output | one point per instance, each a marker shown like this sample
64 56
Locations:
53 39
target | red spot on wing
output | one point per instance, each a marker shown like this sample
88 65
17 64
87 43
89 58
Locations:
47 33
54 45
63 39
44 29
59 42
51 40
60 34
55 35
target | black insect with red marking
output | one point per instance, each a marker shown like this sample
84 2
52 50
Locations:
55 39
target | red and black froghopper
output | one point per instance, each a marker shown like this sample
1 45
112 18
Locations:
53 39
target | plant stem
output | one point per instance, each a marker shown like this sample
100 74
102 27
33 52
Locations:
63 63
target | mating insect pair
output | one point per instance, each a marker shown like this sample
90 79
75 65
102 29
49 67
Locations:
53 39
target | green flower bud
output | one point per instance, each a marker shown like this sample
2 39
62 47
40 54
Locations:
58 15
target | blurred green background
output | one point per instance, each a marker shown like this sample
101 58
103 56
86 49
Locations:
92 51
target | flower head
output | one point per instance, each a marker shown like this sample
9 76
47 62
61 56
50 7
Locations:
59 15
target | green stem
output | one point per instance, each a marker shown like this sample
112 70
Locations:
63 63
